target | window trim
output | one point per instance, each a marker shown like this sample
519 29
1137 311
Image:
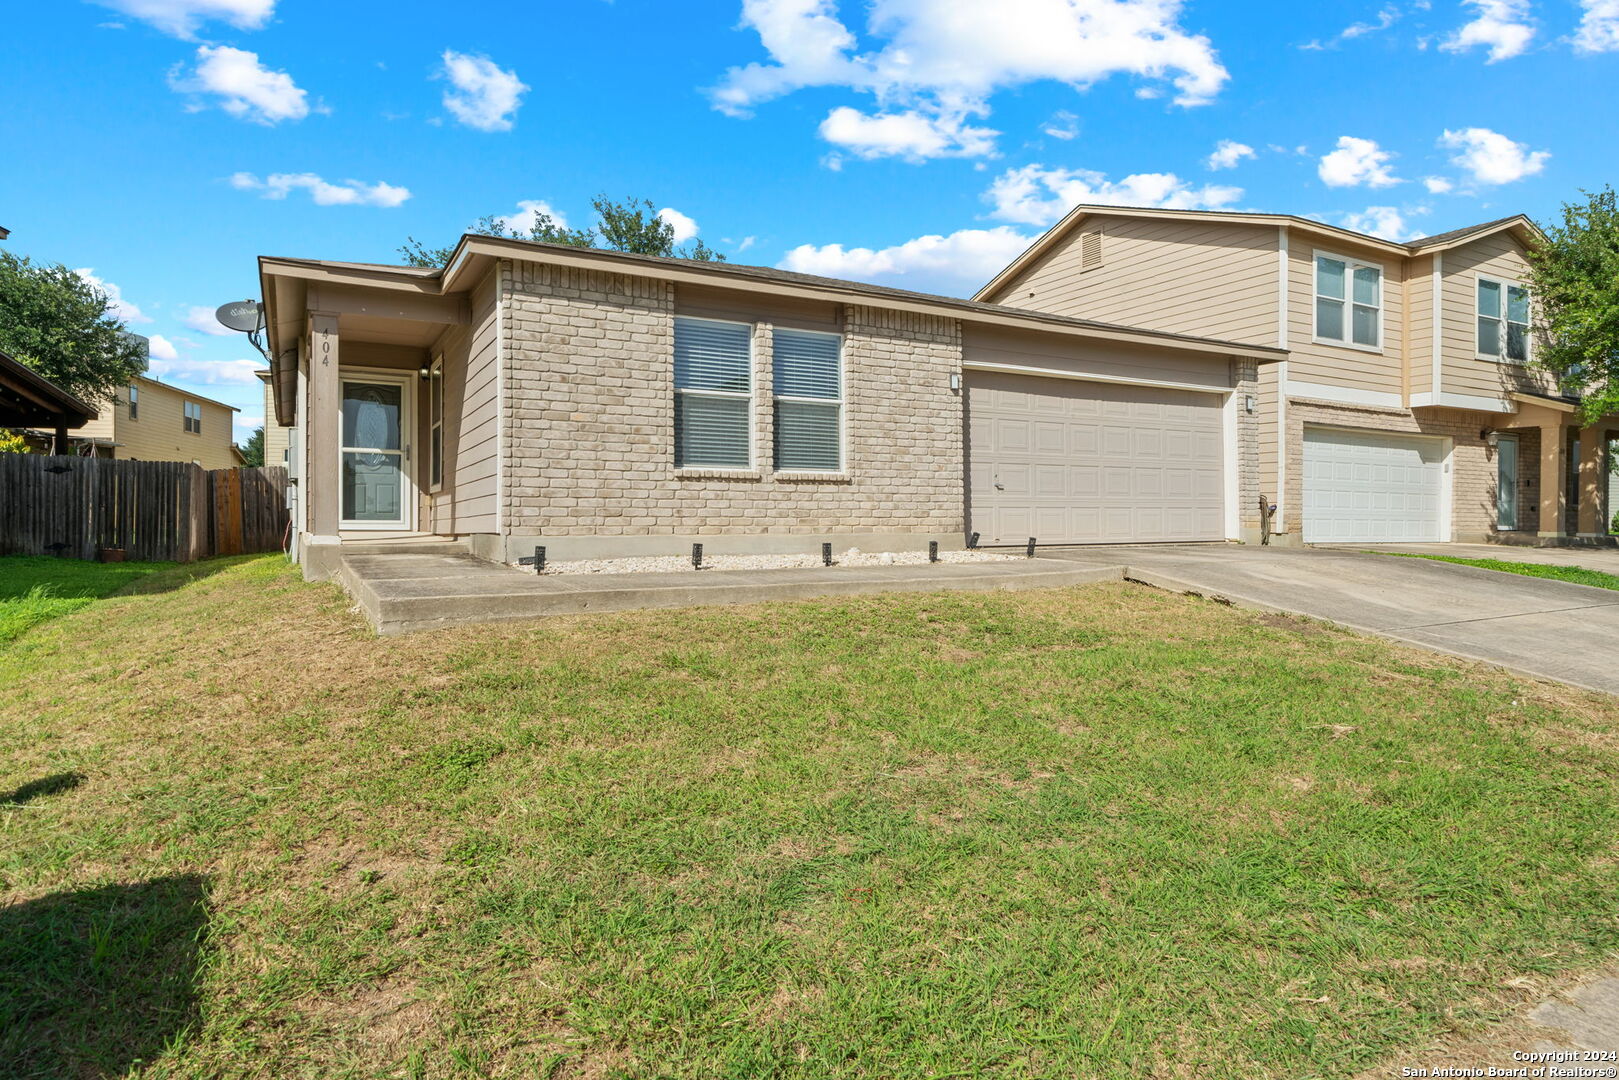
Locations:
191 424
841 401
725 395
435 424
1350 264
1528 338
134 402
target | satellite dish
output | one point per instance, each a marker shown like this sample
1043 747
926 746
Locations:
246 316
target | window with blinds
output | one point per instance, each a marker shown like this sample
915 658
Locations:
713 394
807 384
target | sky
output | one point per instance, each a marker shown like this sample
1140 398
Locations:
161 146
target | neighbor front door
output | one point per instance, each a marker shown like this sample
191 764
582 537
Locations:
376 453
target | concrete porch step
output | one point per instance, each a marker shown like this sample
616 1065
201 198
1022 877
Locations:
402 592
403 547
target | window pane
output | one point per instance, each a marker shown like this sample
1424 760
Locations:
1329 319
807 436
1506 483
1489 337
806 364
370 415
1489 299
712 356
1367 281
437 450
711 433
1329 278
1517 341
1365 325
1517 304
371 487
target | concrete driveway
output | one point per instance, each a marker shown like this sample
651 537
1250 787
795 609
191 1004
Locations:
1549 629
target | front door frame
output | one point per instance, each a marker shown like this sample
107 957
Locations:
410 495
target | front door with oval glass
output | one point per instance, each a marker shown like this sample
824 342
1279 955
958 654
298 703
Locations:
376 453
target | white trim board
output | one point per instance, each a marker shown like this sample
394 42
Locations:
1085 376
1344 395
1471 402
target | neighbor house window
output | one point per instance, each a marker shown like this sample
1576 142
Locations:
1348 301
1503 321
713 394
134 402
808 389
435 421
193 417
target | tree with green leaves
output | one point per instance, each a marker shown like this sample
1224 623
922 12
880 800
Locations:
632 225
1574 277
253 448
63 327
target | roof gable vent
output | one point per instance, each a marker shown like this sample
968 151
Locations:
1090 251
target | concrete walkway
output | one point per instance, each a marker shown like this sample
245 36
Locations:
1548 629
1604 559
401 591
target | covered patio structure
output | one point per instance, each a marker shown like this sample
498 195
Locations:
30 400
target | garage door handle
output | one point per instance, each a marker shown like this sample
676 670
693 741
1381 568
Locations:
999 486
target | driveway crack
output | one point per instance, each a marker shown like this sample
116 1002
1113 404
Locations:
1495 618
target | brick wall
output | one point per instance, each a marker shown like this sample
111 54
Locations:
1473 470
588 417
1245 381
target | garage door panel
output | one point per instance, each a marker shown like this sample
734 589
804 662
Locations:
1372 486
1081 462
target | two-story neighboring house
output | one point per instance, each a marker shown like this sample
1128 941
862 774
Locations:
153 421
1406 409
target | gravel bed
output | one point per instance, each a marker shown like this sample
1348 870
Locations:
664 564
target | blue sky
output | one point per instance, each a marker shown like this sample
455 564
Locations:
162 145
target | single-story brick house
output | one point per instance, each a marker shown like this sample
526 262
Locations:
608 404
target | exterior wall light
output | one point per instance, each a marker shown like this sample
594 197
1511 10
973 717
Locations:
1492 439
1249 404
955 380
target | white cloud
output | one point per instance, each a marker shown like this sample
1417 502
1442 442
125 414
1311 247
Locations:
182 18
1387 16
745 243
201 318
1356 162
1503 26
944 59
1034 195
957 263
913 135
684 227
1490 157
246 88
1065 125
324 193
1599 27
529 211
120 308
483 96
1384 221
1228 153
161 348
1438 185
204 372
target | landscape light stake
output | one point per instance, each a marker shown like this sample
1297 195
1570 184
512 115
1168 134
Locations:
933 551
537 562
972 542
826 554
697 556
1031 547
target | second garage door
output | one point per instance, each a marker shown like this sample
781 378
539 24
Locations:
1371 487
1073 462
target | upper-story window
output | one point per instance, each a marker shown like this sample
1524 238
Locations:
807 383
713 394
193 417
1503 320
1348 301
134 402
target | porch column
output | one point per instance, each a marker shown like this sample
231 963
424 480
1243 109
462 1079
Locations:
321 469
1593 482
1553 481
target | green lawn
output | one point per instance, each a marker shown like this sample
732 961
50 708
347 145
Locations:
1100 832
34 589
1578 575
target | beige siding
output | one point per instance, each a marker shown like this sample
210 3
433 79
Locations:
1269 451
276 437
1499 256
158 433
467 501
1419 326
1048 352
1211 279
746 307
1380 371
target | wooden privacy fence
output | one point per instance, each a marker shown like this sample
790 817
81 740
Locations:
163 511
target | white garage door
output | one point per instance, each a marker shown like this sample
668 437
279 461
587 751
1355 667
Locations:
1072 462
1372 487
